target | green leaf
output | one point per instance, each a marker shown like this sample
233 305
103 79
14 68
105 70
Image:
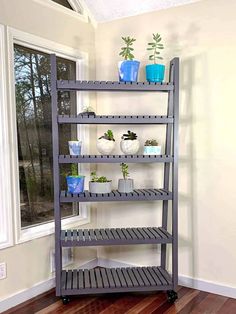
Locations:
149 48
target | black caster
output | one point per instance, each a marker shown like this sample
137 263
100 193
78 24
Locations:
172 296
65 300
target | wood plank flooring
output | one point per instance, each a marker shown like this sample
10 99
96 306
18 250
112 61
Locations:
190 301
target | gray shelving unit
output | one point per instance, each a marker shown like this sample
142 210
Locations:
94 281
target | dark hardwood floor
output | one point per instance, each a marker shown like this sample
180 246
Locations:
190 301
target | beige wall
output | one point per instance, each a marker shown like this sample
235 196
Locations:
29 263
203 36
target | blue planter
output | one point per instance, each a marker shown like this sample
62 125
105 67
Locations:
128 70
155 72
75 184
74 148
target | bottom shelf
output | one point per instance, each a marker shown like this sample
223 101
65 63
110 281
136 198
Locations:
111 280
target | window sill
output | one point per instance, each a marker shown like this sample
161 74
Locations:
43 230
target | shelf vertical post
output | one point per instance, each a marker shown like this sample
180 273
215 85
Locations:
170 112
175 144
56 174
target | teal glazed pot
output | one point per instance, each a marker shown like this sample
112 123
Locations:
155 72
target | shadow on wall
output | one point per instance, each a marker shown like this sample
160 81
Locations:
194 111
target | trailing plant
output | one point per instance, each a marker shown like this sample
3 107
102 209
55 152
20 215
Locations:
108 136
154 47
126 52
129 136
95 178
124 170
151 143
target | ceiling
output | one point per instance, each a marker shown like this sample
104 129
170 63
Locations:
108 10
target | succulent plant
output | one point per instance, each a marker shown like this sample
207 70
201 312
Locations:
95 178
151 143
126 51
108 136
129 136
124 170
154 47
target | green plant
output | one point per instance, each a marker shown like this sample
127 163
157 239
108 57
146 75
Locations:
124 170
155 46
126 52
129 136
108 136
151 143
95 178
88 109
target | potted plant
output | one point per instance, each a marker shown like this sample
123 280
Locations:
129 143
75 147
106 143
99 184
151 147
155 72
125 185
75 182
128 69
87 111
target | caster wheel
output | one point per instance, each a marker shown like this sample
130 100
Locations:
65 300
172 296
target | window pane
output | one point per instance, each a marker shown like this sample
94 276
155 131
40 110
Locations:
33 112
65 3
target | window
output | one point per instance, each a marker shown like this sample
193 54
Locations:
6 237
64 3
33 114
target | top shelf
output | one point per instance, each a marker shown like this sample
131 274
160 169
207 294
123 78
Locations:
65 85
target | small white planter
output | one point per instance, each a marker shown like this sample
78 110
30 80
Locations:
152 150
125 185
105 147
129 147
99 187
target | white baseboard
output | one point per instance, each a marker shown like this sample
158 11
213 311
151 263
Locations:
207 286
37 289
44 286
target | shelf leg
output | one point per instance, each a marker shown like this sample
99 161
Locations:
56 175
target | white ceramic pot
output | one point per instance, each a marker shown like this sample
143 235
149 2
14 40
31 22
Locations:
152 150
125 185
105 147
99 187
129 147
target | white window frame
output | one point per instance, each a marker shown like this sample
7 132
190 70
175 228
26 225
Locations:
6 229
81 58
75 4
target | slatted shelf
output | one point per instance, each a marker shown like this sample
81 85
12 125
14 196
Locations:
114 236
111 280
111 119
113 86
136 195
65 159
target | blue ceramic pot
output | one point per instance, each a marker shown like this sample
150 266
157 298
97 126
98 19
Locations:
74 148
128 70
155 72
75 184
